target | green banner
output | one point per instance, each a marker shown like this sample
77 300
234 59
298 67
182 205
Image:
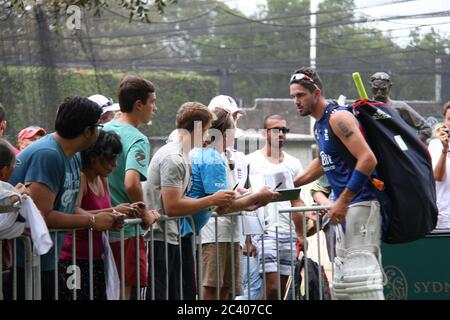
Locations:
418 270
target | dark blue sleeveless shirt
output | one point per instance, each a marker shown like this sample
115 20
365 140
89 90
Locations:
337 171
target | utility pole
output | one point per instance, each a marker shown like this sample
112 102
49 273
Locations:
225 82
438 81
445 78
313 7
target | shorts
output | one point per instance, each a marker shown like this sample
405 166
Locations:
130 261
285 252
209 266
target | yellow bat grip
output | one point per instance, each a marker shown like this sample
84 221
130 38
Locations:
359 85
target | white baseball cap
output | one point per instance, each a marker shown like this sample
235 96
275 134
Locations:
225 102
114 107
105 103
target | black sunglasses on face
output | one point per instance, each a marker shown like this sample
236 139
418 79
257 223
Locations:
277 130
100 126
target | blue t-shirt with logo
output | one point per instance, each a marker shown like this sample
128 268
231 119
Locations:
336 169
209 175
45 162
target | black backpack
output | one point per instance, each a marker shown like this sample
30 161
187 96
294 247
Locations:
408 200
313 281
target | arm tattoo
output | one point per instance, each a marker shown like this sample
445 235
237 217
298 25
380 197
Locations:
347 133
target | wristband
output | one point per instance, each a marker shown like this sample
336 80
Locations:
357 181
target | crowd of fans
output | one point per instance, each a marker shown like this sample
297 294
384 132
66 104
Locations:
95 171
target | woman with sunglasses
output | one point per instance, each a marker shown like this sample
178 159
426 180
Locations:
97 162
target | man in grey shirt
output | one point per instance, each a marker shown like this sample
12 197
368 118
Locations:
380 83
168 181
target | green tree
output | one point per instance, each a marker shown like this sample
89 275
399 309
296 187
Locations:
137 9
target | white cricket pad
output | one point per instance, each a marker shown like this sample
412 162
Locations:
358 277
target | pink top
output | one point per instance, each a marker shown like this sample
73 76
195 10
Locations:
90 201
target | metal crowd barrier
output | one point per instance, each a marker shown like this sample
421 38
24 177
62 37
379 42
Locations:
319 262
232 257
32 263
11 275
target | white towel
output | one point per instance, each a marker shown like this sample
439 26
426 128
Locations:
10 228
111 275
42 241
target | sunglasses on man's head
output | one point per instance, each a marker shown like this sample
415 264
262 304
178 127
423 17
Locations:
301 76
277 130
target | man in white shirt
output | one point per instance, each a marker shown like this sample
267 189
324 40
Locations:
272 160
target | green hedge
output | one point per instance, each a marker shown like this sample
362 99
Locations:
30 99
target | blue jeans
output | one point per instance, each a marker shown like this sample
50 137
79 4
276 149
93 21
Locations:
255 279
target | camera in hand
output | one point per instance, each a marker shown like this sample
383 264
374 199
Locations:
120 216
141 205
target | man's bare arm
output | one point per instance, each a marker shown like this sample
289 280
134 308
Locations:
133 186
83 183
297 217
175 204
44 199
313 172
440 168
251 202
346 128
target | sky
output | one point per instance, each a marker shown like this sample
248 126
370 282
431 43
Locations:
375 9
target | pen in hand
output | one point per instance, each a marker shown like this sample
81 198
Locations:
278 185
235 186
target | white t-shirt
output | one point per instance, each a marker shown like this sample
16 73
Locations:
442 187
228 225
259 164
